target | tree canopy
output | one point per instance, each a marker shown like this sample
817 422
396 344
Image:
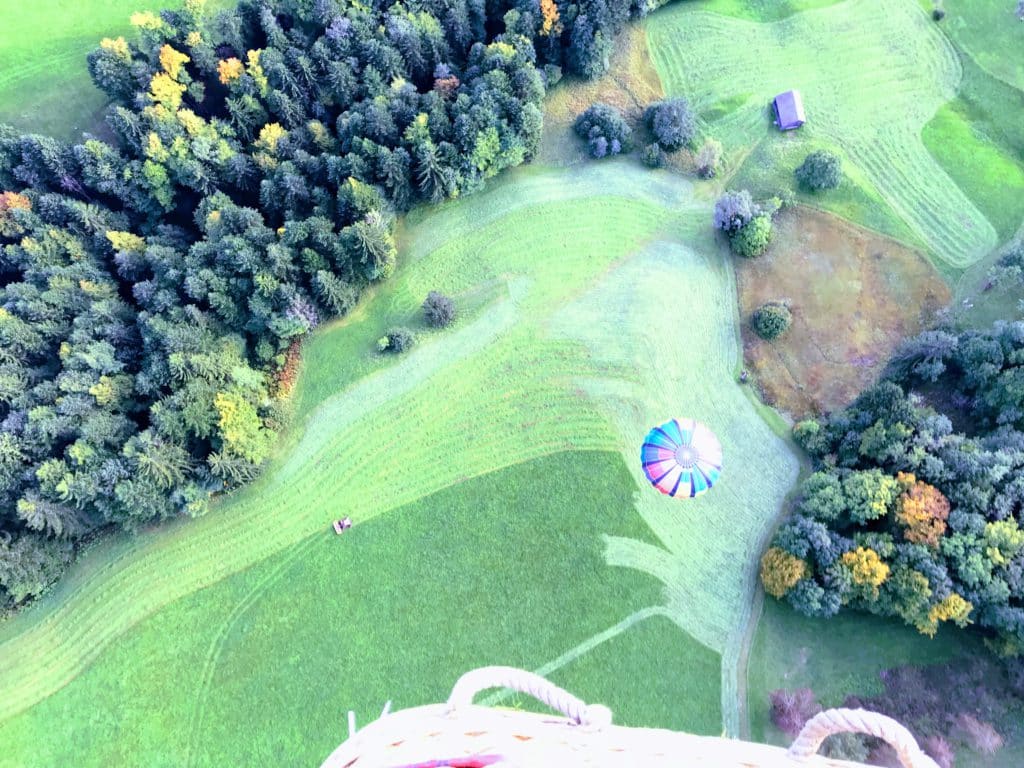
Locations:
906 516
153 286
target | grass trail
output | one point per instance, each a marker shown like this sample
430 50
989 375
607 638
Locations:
868 88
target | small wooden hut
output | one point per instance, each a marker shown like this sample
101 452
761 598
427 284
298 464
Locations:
789 110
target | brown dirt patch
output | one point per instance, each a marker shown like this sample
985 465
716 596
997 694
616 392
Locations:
631 83
854 295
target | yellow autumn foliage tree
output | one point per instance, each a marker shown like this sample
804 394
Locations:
780 571
867 569
163 89
552 25
255 71
146 20
266 145
241 429
953 608
126 241
229 70
117 46
172 61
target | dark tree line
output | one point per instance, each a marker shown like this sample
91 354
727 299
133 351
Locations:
152 286
907 516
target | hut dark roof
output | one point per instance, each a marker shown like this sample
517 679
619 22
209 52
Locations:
789 110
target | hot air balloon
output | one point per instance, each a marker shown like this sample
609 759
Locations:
682 458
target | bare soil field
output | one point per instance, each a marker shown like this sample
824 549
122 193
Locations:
854 295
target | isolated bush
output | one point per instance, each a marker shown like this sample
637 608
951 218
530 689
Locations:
733 210
397 340
791 709
438 309
771 320
939 750
820 170
753 238
605 130
978 735
1009 269
707 159
672 122
653 156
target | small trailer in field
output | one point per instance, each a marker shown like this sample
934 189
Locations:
340 526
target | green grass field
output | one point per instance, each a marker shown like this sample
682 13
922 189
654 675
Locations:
391 611
563 345
44 82
989 31
868 88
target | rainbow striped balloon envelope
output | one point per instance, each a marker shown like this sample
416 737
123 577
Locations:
682 458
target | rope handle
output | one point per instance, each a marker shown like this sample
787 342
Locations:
833 721
594 716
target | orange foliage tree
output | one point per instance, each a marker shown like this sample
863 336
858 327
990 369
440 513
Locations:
922 510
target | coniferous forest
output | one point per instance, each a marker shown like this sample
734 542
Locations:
155 279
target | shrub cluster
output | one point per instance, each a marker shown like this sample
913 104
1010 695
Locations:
438 310
708 158
906 517
820 170
959 705
672 123
771 320
747 225
153 285
653 155
605 130
397 340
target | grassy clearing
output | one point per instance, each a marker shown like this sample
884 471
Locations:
868 88
990 176
588 311
44 82
990 32
630 84
769 168
837 658
854 296
844 656
395 609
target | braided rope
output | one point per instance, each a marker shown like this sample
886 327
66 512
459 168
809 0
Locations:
472 683
833 721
